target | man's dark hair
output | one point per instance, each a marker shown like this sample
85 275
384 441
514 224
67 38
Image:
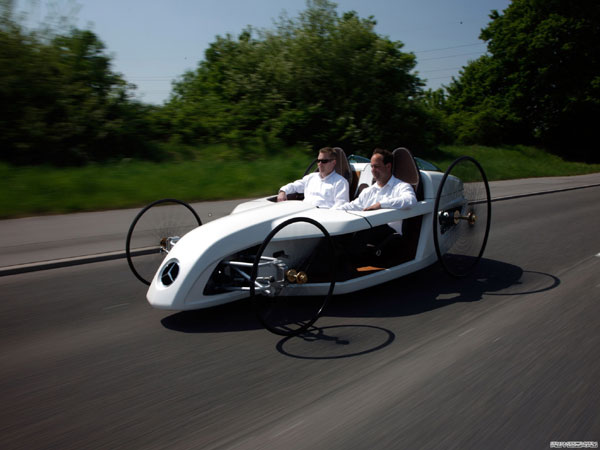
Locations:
388 158
329 151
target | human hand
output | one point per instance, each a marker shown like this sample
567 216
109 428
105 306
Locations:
281 197
373 207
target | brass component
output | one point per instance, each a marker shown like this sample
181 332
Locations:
301 278
457 217
472 218
291 275
296 277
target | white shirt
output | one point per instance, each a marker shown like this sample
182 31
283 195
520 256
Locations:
395 194
333 190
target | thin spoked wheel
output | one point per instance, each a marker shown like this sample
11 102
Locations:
463 213
154 231
293 276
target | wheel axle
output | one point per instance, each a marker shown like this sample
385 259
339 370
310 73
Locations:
471 217
167 243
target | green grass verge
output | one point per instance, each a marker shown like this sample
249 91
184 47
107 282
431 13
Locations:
509 163
207 175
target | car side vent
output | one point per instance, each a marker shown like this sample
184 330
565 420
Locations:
169 273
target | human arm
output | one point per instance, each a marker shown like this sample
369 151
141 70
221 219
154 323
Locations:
401 196
294 187
358 204
397 196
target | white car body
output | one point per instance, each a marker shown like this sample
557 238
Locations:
199 252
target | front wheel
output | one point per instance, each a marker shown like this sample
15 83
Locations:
296 258
154 231
462 216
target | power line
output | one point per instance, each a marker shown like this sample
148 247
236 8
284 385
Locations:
440 70
441 78
158 78
449 48
452 56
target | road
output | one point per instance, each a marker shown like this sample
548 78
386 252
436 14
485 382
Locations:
507 359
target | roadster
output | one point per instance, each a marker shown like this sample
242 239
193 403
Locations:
290 257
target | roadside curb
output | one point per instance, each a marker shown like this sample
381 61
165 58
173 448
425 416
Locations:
100 257
552 191
58 263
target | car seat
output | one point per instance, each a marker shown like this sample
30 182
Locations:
405 169
342 166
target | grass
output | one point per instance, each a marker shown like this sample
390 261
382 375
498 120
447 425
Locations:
213 175
509 163
45 190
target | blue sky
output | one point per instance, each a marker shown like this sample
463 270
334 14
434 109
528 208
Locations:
153 42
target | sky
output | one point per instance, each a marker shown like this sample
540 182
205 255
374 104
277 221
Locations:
153 42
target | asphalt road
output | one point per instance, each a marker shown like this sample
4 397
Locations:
507 359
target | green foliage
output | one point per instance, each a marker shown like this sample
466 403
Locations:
540 82
434 105
321 78
60 102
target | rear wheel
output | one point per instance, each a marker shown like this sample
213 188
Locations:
154 231
463 212
297 256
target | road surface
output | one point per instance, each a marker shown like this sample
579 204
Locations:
507 359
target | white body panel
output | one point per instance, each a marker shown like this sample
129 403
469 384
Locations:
200 251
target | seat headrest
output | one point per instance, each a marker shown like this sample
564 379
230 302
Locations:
342 166
405 168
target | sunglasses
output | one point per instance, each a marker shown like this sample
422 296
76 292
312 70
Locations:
324 161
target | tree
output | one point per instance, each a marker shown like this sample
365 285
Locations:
540 82
321 78
60 102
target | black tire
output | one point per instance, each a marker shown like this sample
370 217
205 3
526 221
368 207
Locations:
147 238
460 231
288 315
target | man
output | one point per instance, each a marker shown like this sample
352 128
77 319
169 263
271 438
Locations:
388 192
325 188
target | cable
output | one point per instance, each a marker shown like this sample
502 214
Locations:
440 70
450 48
452 56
